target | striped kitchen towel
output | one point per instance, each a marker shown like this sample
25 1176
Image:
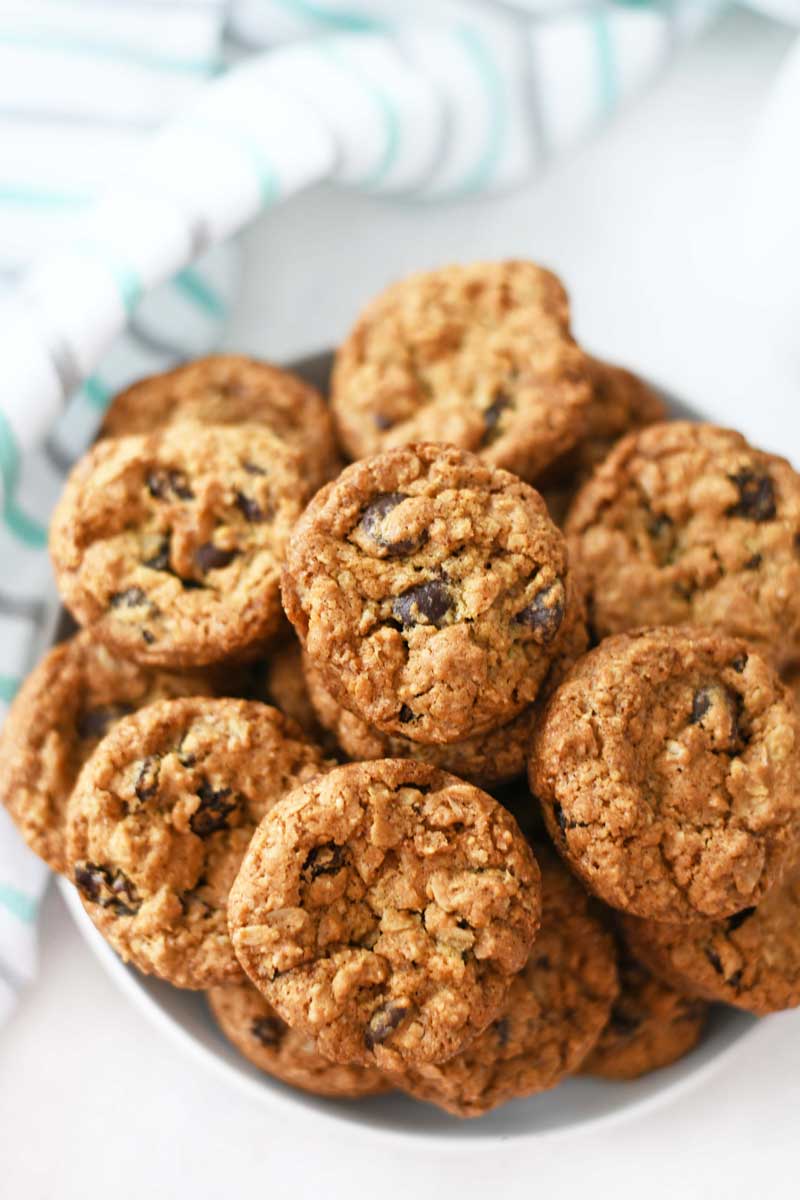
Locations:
139 136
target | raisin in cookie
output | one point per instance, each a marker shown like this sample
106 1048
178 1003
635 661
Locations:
68 703
384 909
256 1030
667 766
159 822
430 590
230 389
477 356
489 760
169 547
688 523
553 1014
750 960
651 1025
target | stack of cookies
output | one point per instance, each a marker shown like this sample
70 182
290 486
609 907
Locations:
460 769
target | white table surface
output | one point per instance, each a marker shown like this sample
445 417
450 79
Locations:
93 1101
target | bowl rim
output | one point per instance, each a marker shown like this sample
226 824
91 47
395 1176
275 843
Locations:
335 1115
316 368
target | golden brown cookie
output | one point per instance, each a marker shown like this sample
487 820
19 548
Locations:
553 1014
477 356
430 590
169 547
231 389
69 702
688 524
159 822
651 1025
256 1030
667 766
621 403
384 909
750 960
488 759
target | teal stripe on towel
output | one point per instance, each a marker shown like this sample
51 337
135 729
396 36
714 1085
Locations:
9 685
491 77
607 82
229 135
24 528
385 106
65 43
330 18
29 196
97 393
193 286
18 903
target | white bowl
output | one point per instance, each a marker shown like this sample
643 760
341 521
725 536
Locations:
185 1018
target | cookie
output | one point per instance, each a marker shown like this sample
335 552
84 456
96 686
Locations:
169 547
477 356
488 759
688 524
383 909
750 960
256 1030
159 822
231 389
68 703
621 403
667 766
651 1025
430 590
553 1014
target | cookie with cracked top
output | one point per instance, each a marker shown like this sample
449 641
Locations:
667 765
489 760
477 356
68 703
554 1012
232 389
168 548
689 524
159 822
750 959
651 1025
430 590
384 909
256 1030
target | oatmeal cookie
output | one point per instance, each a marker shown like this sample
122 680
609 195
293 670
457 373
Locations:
477 356
750 960
553 1014
384 909
256 1030
430 590
68 703
621 403
667 766
168 548
159 822
688 524
651 1025
231 389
